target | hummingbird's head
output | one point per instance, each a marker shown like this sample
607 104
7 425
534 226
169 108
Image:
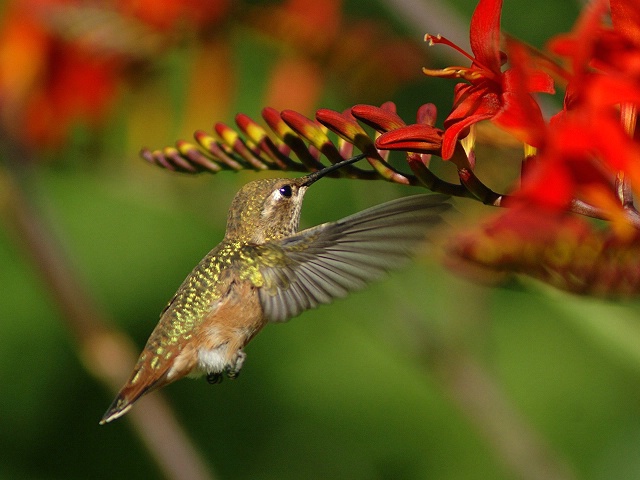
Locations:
269 209
266 210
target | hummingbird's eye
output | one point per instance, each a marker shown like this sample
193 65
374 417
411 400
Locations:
285 191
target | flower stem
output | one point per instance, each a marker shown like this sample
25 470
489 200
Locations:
104 351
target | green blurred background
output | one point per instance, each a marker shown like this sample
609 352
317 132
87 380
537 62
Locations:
423 375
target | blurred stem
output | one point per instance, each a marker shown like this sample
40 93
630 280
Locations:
512 439
106 353
612 326
442 352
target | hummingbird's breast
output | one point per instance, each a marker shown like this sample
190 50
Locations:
214 313
236 320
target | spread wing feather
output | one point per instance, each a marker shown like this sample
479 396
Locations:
326 262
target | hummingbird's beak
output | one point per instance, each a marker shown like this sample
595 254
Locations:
315 176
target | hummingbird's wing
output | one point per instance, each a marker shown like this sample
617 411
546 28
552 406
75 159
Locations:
326 262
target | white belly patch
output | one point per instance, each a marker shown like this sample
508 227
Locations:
212 361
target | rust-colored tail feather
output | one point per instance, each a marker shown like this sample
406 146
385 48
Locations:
133 390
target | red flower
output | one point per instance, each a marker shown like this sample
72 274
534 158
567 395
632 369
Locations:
503 97
421 138
589 143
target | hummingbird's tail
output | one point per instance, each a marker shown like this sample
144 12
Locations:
120 405
143 380
125 400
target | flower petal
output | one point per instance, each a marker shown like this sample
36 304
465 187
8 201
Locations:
485 35
473 104
417 138
380 119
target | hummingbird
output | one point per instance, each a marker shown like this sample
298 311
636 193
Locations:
265 270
